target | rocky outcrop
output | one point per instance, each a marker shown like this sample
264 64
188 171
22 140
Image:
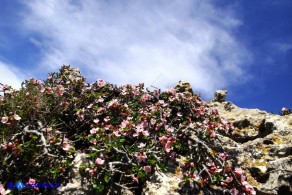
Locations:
72 74
77 185
220 96
262 146
183 86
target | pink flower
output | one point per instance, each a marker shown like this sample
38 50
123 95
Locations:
223 184
31 181
170 130
248 188
141 156
96 121
9 144
153 121
43 90
113 103
4 119
142 145
167 112
101 83
60 90
100 100
146 97
212 134
214 111
168 146
3 191
90 106
117 133
124 124
156 93
101 110
171 91
147 169
238 171
242 178
234 191
92 172
223 156
99 161
16 117
145 133
94 130
106 119
135 179
228 179
182 164
67 147
93 141
163 138
211 164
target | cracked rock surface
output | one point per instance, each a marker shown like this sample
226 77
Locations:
262 144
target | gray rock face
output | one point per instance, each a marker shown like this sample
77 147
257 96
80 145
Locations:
162 183
77 184
262 143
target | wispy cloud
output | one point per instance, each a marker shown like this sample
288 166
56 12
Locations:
155 42
284 47
10 75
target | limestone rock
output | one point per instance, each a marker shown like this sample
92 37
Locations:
220 96
72 74
262 143
77 184
183 86
162 183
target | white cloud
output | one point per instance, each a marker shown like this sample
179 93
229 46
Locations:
140 41
10 75
284 47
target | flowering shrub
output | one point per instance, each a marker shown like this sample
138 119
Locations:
128 132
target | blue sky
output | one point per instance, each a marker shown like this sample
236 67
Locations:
242 46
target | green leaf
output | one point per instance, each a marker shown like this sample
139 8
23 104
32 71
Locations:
107 178
142 175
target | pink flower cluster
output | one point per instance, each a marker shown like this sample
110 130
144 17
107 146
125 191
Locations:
167 142
11 118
